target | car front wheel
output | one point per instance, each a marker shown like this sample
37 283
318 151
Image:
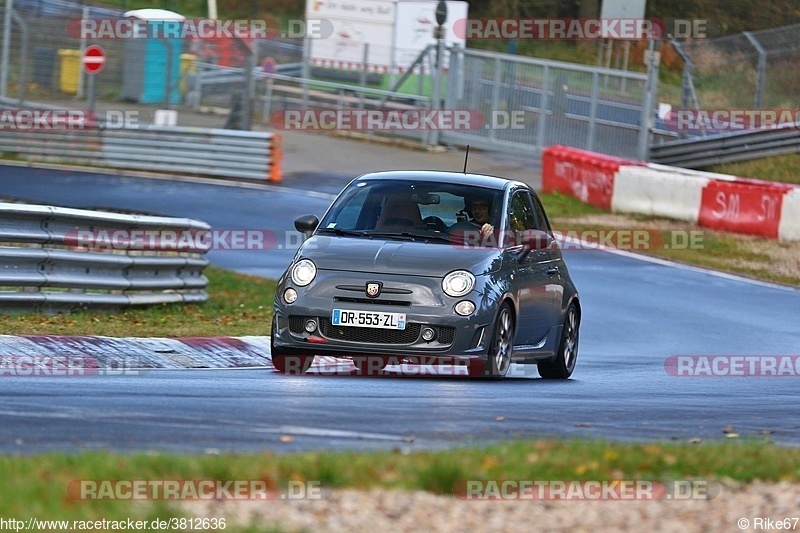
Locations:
562 366
502 346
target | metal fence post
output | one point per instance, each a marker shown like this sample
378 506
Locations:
762 68
6 47
364 59
437 87
540 137
593 111
81 76
651 88
306 71
267 100
454 79
496 80
23 66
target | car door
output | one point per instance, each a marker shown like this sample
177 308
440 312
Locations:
552 261
530 277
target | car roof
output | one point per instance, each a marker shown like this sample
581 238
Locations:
478 180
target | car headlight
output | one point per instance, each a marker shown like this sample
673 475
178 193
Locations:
303 272
458 283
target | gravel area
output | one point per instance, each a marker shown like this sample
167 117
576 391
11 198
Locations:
380 510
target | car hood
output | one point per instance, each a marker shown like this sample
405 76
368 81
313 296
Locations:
358 254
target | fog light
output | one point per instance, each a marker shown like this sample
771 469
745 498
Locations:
289 295
311 326
428 334
465 308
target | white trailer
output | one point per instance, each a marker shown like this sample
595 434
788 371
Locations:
396 31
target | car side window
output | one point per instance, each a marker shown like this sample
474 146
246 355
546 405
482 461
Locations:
521 215
541 218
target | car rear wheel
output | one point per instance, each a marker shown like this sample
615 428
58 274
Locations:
562 366
502 346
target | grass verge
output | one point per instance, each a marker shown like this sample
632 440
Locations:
38 486
783 168
755 257
238 305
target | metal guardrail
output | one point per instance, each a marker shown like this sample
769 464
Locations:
46 265
727 148
213 152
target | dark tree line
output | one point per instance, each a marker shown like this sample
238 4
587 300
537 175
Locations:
724 16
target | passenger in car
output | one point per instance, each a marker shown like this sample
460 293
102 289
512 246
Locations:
400 212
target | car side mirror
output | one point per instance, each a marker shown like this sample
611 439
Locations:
534 240
306 224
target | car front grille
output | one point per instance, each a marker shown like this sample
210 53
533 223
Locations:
296 324
446 334
370 335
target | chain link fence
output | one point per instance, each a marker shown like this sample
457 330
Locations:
532 103
525 103
750 70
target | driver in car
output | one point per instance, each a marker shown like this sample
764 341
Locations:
480 209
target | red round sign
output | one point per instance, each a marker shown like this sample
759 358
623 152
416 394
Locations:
93 59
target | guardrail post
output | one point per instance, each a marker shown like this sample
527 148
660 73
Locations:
276 158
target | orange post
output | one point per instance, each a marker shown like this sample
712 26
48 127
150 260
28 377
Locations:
276 165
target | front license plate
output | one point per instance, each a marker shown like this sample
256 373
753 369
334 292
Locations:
368 319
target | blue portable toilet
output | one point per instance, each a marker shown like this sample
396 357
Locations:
153 63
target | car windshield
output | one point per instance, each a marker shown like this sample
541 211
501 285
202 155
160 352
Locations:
412 210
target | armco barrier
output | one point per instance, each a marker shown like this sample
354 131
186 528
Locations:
42 258
715 201
210 152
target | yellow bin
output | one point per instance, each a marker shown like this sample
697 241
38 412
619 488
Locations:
70 68
187 67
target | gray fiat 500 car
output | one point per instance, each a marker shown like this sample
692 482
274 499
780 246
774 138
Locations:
427 268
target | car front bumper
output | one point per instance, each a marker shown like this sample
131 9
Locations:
420 298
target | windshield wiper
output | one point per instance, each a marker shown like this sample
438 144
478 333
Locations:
407 235
340 231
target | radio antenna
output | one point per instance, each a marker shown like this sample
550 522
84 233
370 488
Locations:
466 158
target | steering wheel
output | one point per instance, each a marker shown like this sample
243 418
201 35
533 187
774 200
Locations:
434 223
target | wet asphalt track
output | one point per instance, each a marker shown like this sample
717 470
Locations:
636 314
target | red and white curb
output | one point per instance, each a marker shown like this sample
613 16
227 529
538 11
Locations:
715 201
143 352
